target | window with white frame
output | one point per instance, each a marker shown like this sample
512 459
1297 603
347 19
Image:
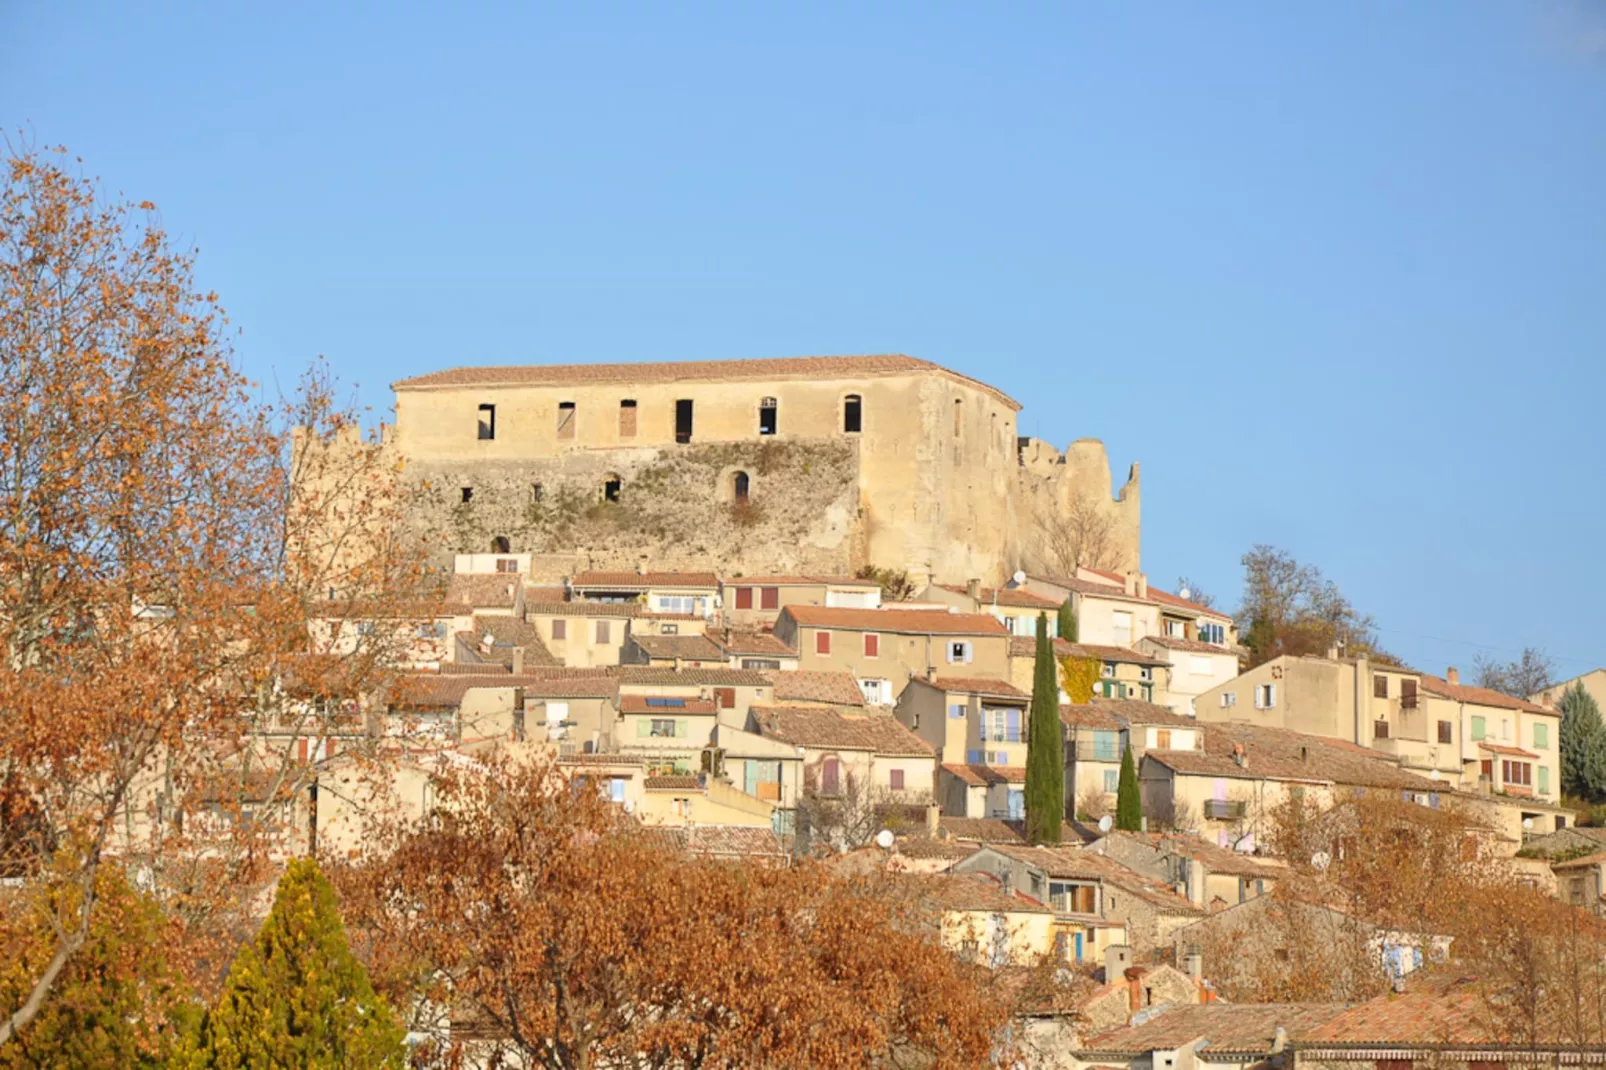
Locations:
1212 633
1229 698
959 650
1000 724
1265 696
956 711
1108 670
876 692
1146 672
680 603
1176 629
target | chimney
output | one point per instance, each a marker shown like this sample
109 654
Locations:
1143 585
1279 1040
1240 755
1117 957
1452 676
518 661
1134 988
641 566
1196 882
933 819
1332 653
1129 583
973 589
1193 964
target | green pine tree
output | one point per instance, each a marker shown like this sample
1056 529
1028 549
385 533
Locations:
296 996
1128 800
1045 749
1067 622
1583 746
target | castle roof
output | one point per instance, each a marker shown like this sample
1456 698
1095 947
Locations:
849 367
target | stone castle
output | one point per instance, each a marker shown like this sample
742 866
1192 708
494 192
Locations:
814 465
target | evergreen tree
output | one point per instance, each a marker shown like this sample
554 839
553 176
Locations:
296 996
1128 800
1045 750
1583 745
1067 622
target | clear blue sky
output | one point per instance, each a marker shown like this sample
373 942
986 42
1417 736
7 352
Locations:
1334 273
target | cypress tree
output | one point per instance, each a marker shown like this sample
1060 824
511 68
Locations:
1067 622
296 996
1045 751
1128 800
1583 745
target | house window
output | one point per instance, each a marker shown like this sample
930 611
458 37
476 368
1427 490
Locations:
761 663
1108 670
1541 736
852 414
1176 629
725 698
1380 686
1265 696
822 643
1016 804
1146 672
1112 781
1517 774
1446 732
769 597
744 598
687 604
611 488
959 651
662 728
895 779
627 418
669 629
537 492
956 711
683 420
500 545
1104 746
560 629
1407 694
872 645
1479 729
876 692
1162 739
1213 633
1544 780
1000 725
739 486
1229 698
487 422
830 776
604 631
616 789
468 494
565 420
767 414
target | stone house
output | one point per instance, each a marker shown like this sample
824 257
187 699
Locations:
1120 608
582 634
754 602
1207 1036
1123 672
1593 682
1193 667
981 921
415 635
669 651
1098 734
1582 881
883 648
849 751
678 593
755 650
968 721
1508 746
805 688
1208 876
1016 607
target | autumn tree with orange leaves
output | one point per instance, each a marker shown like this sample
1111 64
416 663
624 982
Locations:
528 921
159 562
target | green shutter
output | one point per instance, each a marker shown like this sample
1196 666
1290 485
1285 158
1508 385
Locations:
1544 780
682 728
643 728
1542 739
1477 729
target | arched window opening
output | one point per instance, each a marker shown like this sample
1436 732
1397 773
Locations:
768 411
501 545
852 414
739 487
611 488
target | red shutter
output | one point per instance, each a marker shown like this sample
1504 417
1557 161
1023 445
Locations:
301 750
725 697
744 598
822 642
872 645
895 779
771 597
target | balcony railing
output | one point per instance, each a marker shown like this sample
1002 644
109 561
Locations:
1223 809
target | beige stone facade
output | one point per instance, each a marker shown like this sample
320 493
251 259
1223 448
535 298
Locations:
811 465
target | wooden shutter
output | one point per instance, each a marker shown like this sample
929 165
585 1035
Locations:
872 645
771 597
560 629
744 598
822 642
604 633
725 698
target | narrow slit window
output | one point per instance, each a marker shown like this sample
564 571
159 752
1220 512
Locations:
683 416
627 418
959 416
768 412
566 419
537 492
468 495
740 486
852 414
487 422
611 488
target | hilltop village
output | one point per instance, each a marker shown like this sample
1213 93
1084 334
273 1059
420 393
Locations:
789 608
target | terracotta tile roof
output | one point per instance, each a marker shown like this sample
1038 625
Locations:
687 647
1191 646
797 581
926 847
640 704
981 829
1229 1027
1481 696
540 687
1101 718
1436 1009
582 609
672 783
1500 748
1013 597
837 688
419 609
545 593
1088 587
651 675
1079 863
729 841
1278 754
978 685
492 590
977 775
1596 859
1118 713
506 634
845 367
433 691
640 581
464 668
814 726
900 621
1216 859
1163 597
753 644
1119 654
970 892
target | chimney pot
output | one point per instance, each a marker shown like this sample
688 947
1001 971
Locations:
1143 585
1452 675
973 589
1129 583
518 660
1117 957
933 819
1193 962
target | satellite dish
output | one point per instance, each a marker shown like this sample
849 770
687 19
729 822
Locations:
1019 577
1528 824
1184 594
1106 823
883 839
1321 860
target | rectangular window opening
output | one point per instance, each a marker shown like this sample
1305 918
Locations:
566 420
683 420
627 418
468 495
768 411
487 422
852 414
